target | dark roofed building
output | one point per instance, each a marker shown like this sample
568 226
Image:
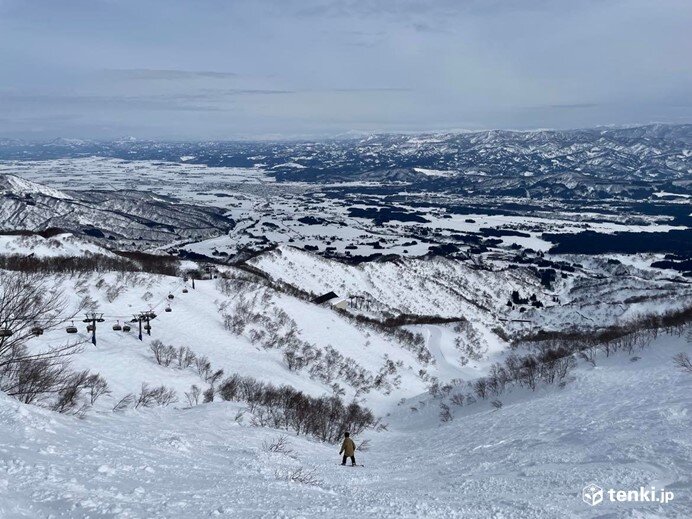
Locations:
324 298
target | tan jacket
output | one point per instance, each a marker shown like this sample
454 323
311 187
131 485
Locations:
348 447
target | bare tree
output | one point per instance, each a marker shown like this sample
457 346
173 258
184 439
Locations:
29 307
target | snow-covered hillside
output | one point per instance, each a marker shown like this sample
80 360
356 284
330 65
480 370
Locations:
14 185
594 293
241 327
56 246
620 425
123 219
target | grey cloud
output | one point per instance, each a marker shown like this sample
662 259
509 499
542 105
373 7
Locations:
281 67
169 75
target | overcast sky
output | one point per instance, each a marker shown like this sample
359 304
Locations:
228 69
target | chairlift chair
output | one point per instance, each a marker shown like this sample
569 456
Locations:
168 309
171 296
90 327
117 327
37 330
71 329
126 327
185 291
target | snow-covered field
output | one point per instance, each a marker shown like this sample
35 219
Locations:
346 219
621 425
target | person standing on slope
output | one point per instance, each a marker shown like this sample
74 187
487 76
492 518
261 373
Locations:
348 448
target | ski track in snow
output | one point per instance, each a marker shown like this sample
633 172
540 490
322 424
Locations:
621 424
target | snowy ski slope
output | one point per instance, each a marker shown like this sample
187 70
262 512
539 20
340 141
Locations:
621 424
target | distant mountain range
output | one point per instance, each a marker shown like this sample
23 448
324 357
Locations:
592 163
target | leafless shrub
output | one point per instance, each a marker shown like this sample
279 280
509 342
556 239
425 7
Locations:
279 445
32 380
480 387
185 357
364 446
300 475
214 376
97 386
202 366
114 291
434 387
589 355
124 403
496 404
683 362
446 389
208 396
151 396
163 354
445 413
68 395
457 399
193 395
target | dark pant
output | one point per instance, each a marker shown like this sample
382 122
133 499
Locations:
353 460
